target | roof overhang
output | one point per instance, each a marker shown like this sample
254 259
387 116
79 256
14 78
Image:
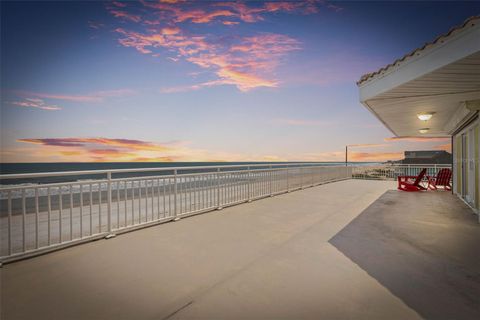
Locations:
442 77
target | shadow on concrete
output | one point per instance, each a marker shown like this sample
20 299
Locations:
423 247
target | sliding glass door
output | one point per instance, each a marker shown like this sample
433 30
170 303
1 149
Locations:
466 164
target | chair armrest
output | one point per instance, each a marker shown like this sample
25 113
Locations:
406 177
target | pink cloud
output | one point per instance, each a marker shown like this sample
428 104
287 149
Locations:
247 13
190 11
94 143
200 16
125 15
247 63
243 11
170 31
230 23
167 38
108 149
250 63
119 4
282 6
175 13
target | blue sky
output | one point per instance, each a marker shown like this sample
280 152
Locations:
204 81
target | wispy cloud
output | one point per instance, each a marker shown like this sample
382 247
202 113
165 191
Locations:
119 4
300 122
114 149
417 139
108 149
249 12
128 144
190 87
319 156
375 156
125 15
115 8
446 147
95 24
97 148
368 145
36 103
352 156
245 62
97 96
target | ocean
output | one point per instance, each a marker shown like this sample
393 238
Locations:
18 168
99 189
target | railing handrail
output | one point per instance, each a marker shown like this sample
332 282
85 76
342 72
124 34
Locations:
113 171
408 164
184 168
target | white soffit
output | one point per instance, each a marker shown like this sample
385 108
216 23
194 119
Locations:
438 79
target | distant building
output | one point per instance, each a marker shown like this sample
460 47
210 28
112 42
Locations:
429 156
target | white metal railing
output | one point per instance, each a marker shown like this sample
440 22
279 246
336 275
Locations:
35 218
392 171
40 217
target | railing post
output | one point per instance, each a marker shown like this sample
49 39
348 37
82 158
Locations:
248 184
313 175
301 177
288 182
175 192
109 205
219 207
271 181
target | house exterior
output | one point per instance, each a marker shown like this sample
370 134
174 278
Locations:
434 91
427 157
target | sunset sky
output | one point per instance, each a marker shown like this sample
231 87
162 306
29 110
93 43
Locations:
204 81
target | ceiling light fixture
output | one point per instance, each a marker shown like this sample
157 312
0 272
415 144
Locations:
425 116
424 130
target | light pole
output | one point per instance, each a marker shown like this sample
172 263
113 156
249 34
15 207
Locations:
346 156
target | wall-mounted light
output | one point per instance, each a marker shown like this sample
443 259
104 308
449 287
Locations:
425 116
424 130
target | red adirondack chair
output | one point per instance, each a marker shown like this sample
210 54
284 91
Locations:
442 179
412 183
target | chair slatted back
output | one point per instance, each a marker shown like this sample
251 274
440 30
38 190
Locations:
420 177
443 177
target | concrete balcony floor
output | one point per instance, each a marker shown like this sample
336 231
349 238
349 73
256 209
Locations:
345 250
